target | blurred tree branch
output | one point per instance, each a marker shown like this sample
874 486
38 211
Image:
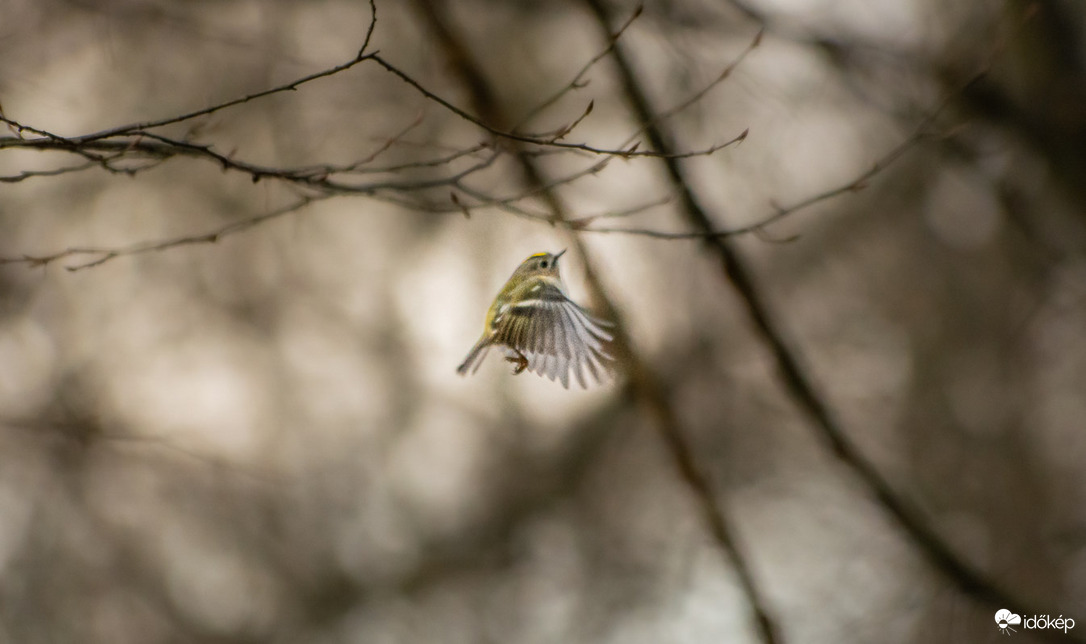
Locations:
645 388
793 374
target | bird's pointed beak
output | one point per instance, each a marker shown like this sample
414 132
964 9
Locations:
563 252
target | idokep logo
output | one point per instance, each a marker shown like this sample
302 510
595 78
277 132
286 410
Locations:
1006 620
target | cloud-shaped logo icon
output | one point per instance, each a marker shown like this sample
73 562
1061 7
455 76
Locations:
1005 619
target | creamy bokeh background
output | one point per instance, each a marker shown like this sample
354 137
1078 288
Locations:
264 439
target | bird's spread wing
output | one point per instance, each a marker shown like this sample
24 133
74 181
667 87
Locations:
555 334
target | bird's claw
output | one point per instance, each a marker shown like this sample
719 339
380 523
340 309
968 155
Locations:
519 361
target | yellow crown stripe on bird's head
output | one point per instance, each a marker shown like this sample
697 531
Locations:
538 255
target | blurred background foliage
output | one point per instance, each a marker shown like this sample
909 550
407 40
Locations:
264 439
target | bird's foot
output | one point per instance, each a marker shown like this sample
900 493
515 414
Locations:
519 361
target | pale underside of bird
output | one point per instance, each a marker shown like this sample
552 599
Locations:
548 334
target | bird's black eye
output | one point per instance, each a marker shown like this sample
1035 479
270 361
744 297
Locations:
543 263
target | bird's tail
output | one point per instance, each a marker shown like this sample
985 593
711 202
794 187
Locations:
475 357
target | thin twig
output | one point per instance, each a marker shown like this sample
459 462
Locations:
426 163
28 174
369 30
104 255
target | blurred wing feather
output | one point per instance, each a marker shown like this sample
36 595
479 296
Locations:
555 335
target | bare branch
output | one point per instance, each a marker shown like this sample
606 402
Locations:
27 174
581 223
794 377
369 30
154 145
427 163
103 255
